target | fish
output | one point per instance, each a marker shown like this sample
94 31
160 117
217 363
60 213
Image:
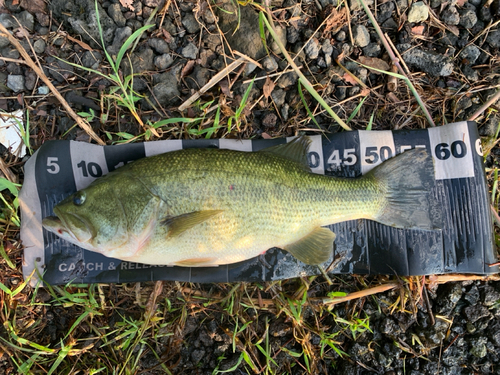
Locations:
210 207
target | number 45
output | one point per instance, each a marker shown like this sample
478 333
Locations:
349 157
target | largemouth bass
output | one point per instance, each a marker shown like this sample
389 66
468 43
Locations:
208 207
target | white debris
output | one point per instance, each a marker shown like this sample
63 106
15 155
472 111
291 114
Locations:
11 125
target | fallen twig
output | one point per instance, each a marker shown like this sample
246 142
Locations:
28 61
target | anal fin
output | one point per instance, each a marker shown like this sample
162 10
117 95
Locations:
315 248
181 223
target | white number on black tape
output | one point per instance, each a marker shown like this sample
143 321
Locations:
53 167
479 147
349 158
376 147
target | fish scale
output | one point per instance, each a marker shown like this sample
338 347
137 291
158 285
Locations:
202 207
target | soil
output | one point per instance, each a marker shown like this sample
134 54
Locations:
451 50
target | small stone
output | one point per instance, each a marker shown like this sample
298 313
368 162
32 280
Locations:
450 16
478 348
209 17
121 35
15 82
356 4
30 78
115 12
470 74
281 33
166 91
141 62
163 61
27 20
4 42
43 90
7 21
287 80
372 50
434 64
468 18
419 12
485 14
327 47
340 36
269 121
269 64
490 295
278 97
476 312
190 23
197 355
190 51
494 39
312 49
385 12
390 24
159 45
470 53
153 3
91 59
361 36
292 35
39 46
284 111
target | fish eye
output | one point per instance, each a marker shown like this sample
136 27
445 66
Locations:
79 198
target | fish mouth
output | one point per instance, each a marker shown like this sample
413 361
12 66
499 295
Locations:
69 225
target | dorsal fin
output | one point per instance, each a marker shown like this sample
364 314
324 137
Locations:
295 150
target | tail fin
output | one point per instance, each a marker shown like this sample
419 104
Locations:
406 180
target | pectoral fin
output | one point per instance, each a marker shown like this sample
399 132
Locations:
179 224
315 248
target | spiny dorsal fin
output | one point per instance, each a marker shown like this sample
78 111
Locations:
295 150
179 224
315 248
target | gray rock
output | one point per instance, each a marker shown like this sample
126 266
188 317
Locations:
292 35
198 78
159 45
163 61
43 90
390 24
327 47
197 355
485 14
208 16
7 21
284 111
478 348
30 78
241 28
361 35
468 18
59 70
450 16
189 21
15 82
4 42
471 53
312 49
356 4
115 12
190 51
249 68
121 35
269 64
278 97
141 62
340 36
494 39
372 50
385 12
9 52
39 46
281 33
287 80
26 19
434 64
419 12
470 74
82 17
166 91
91 59
476 312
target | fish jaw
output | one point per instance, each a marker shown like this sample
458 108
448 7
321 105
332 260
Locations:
57 226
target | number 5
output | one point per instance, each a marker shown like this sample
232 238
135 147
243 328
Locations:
52 164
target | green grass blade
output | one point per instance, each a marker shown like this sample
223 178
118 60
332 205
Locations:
356 110
137 34
311 116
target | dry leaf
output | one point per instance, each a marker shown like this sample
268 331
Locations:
80 43
224 87
33 6
268 87
22 33
461 3
418 30
15 2
168 37
374 62
188 68
335 21
349 79
453 29
365 91
127 4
